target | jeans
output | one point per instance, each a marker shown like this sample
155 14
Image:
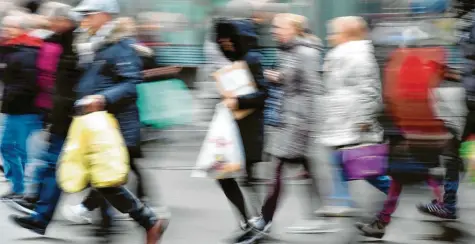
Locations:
124 201
17 131
341 192
49 192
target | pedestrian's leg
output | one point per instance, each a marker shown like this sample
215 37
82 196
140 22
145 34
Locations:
341 192
124 201
313 189
233 193
250 186
50 192
453 163
11 160
377 228
34 167
270 204
391 201
92 200
140 179
381 183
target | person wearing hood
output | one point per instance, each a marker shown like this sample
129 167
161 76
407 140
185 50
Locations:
353 102
297 72
58 76
22 118
238 42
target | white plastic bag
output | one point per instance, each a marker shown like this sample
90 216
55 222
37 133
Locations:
222 154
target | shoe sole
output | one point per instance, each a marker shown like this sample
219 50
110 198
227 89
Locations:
30 227
19 208
366 234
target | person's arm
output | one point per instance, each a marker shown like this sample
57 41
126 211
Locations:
366 75
128 67
311 85
256 99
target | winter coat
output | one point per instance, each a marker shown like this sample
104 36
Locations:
67 78
47 64
114 73
301 83
20 74
244 38
352 95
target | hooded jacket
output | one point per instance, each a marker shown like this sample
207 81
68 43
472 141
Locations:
243 35
20 74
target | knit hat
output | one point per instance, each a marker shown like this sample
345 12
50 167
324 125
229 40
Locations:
102 6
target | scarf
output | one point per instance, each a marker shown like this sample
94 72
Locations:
87 45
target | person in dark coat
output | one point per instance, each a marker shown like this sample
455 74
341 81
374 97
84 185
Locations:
19 94
66 76
238 42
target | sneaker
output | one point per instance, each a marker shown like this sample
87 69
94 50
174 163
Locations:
437 210
10 196
260 224
29 223
77 214
313 227
336 211
23 205
375 229
156 232
259 228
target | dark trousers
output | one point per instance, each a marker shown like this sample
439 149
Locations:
124 201
271 202
234 194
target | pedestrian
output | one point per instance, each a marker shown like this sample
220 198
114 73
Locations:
298 74
237 41
112 69
350 70
22 117
58 64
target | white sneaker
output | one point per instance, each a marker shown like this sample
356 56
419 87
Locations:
313 227
77 214
336 211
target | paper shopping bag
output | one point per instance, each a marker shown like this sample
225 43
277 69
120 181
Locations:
222 154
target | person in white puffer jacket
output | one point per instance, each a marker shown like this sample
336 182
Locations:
352 101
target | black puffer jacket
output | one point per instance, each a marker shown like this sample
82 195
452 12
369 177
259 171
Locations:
64 95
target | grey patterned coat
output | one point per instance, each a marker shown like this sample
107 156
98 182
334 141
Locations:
298 68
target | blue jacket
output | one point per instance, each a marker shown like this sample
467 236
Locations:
114 74
243 35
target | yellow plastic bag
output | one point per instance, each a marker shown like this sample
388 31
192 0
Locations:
72 172
102 154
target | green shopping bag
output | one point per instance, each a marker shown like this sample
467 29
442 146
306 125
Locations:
164 103
467 152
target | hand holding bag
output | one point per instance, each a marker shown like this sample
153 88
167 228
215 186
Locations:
364 161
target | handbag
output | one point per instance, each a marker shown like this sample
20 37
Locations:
364 161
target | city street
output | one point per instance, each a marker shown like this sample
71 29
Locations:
201 214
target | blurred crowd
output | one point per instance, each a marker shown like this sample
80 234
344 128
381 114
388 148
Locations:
60 62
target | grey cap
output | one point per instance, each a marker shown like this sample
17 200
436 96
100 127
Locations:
103 6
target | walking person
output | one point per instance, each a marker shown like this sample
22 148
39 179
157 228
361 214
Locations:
237 41
299 77
350 70
22 117
114 92
61 72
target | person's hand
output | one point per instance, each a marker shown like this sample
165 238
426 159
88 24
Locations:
271 75
231 103
94 103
